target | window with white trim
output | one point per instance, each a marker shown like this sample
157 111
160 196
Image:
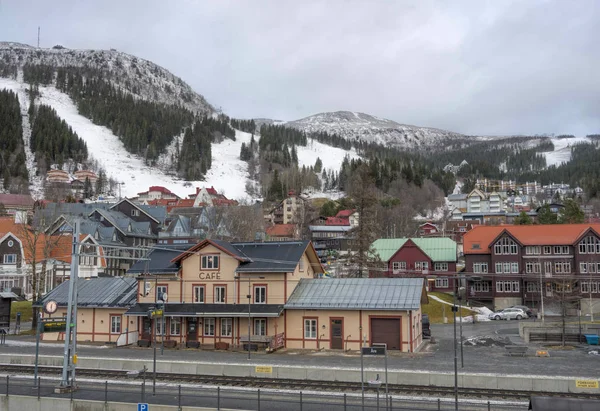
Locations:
562 267
507 286
480 267
531 267
115 324
260 294
260 326
226 327
135 212
532 250
441 283
561 249
210 262
160 290
498 267
547 249
11 243
514 267
441 267
209 327
175 325
421 265
583 268
220 294
505 246
10 258
481 286
310 328
199 294
158 326
589 245
585 287
399 265
533 287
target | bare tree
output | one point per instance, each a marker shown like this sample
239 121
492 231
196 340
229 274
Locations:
39 247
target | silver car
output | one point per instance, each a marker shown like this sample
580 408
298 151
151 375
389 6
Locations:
508 314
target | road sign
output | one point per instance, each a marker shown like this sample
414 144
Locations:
373 350
54 326
143 407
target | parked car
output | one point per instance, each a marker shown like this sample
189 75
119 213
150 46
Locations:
426 329
508 314
524 308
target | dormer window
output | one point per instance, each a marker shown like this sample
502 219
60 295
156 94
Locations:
505 246
129 228
210 262
135 212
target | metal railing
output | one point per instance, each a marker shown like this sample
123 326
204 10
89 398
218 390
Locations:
140 391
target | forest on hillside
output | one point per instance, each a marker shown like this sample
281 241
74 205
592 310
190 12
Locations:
12 154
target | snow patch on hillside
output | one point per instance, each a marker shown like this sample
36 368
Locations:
131 170
562 150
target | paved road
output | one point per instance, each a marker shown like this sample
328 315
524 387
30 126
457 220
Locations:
483 352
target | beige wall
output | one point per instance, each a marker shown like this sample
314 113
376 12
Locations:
353 320
94 324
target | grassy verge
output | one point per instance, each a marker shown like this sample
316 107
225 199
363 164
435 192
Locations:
435 309
23 307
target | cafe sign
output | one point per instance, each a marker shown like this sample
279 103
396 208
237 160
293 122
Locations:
214 275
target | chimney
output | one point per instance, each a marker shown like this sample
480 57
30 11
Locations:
197 190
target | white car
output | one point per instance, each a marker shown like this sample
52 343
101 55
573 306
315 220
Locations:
508 314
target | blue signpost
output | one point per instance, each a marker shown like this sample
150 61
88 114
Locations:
143 407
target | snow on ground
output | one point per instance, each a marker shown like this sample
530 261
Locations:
562 150
35 182
332 157
482 312
227 173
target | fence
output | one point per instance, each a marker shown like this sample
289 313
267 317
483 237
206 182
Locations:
127 338
142 391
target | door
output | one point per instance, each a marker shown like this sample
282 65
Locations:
192 329
147 329
337 334
386 331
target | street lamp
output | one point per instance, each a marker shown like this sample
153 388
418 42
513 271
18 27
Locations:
249 307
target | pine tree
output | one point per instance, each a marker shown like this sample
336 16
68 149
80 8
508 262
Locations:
101 182
571 213
318 165
88 191
523 219
546 216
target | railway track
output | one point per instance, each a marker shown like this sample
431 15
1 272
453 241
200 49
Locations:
301 385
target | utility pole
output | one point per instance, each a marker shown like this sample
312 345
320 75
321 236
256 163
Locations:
38 37
67 383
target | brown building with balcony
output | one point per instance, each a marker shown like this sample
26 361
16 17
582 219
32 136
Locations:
509 265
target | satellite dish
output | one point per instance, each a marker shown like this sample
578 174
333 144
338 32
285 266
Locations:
164 297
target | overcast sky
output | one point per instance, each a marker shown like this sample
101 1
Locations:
477 67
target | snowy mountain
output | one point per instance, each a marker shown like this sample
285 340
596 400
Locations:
139 77
351 125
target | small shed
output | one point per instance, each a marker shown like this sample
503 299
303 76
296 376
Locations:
6 298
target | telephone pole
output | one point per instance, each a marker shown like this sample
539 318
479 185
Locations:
38 37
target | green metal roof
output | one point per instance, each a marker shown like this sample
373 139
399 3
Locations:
439 249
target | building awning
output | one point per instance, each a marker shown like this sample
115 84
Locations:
208 310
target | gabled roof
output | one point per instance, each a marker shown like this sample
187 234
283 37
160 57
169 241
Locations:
160 260
221 245
479 239
358 294
439 249
337 221
142 209
20 200
276 256
281 230
344 213
477 192
101 292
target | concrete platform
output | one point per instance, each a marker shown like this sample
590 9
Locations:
329 373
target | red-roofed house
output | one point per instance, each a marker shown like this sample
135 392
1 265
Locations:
282 232
350 215
209 197
156 193
508 265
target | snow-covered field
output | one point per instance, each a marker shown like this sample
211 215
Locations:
562 150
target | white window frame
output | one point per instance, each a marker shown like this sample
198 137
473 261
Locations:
260 294
441 267
499 268
159 293
220 296
480 267
481 286
506 246
514 267
260 326
532 250
398 265
175 326
547 249
421 265
10 261
533 287
158 323
583 268
441 282
226 327
210 262
115 324
208 328
196 296
310 328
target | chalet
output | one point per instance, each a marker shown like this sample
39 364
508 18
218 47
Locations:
427 229
210 197
282 232
82 175
288 211
431 258
217 290
510 265
101 316
156 193
17 203
58 176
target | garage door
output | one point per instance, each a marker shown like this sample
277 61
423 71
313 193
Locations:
386 330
